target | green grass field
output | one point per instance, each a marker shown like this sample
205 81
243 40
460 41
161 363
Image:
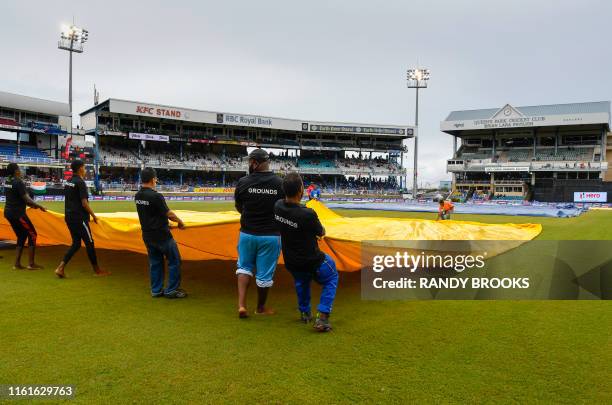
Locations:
117 345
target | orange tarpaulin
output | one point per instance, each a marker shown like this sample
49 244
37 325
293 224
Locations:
214 235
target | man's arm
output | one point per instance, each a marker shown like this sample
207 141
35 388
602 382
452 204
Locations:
169 213
84 201
85 204
31 203
317 226
174 218
28 200
237 202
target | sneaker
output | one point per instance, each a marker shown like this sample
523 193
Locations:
305 317
159 294
178 293
322 325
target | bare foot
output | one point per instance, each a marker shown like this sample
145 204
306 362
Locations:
243 313
60 272
101 273
265 311
34 266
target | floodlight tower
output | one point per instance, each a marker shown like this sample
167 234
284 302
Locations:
72 39
417 79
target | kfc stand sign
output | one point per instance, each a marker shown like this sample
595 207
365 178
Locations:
160 112
583 196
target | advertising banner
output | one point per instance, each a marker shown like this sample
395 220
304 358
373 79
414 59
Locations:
585 196
149 137
214 190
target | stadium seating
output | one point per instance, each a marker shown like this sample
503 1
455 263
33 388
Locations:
314 163
474 155
502 197
26 151
311 143
518 155
564 154
159 156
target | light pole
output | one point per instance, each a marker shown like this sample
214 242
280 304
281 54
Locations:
417 79
72 40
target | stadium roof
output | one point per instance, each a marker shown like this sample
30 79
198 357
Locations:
32 104
508 116
533 110
159 111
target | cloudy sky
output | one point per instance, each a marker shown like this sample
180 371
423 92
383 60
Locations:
320 60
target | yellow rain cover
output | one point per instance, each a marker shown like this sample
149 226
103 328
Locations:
214 235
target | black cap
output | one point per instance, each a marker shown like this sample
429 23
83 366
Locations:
259 155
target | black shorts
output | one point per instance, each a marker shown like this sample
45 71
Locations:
24 229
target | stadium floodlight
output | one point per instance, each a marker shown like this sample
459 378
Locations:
72 39
417 79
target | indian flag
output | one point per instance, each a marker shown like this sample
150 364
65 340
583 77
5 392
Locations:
39 187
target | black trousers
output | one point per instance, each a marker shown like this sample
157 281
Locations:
79 231
23 228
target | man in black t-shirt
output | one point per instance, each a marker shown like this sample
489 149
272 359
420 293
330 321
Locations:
76 214
17 198
300 230
259 241
154 214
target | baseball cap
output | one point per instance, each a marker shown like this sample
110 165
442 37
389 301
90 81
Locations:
259 155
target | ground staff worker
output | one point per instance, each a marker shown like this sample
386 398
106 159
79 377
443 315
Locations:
153 213
77 213
17 199
300 230
445 208
259 241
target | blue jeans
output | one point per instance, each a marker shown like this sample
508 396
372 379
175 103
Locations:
258 254
327 276
157 252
